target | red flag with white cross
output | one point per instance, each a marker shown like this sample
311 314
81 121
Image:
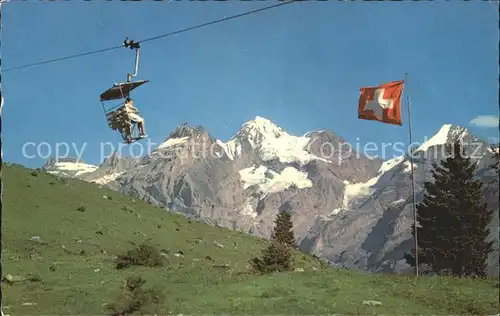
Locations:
382 103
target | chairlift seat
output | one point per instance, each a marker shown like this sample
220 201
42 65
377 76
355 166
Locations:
118 118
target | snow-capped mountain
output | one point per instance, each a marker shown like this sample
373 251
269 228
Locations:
372 232
447 134
270 142
69 167
350 209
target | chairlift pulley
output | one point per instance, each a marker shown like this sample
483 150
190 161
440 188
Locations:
131 44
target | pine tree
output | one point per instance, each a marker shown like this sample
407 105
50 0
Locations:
283 227
453 219
278 255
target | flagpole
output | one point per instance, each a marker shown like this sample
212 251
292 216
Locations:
412 176
1 164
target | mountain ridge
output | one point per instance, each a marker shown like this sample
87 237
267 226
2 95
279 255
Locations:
348 208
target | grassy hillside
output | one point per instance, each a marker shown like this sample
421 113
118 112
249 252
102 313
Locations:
70 268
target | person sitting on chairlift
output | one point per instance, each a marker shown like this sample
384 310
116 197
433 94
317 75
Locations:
134 117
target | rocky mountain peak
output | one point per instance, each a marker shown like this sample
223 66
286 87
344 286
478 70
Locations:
269 142
117 163
112 160
260 129
185 130
187 134
447 134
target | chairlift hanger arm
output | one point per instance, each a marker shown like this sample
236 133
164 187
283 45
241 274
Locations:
122 90
133 45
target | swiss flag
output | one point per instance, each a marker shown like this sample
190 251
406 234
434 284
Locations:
382 103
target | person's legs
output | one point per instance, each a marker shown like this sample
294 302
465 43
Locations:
140 122
140 125
128 133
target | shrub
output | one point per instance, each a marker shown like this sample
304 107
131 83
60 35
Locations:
144 255
134 298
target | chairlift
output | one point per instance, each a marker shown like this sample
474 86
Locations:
116 114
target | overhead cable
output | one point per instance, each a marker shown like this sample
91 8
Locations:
149 39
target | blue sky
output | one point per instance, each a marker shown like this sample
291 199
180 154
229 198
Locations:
300 65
